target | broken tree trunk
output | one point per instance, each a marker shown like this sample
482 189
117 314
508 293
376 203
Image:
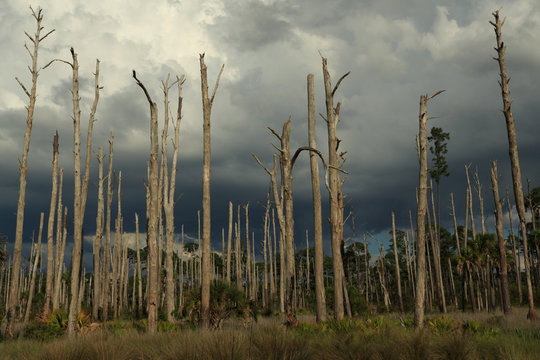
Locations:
205 271
514 157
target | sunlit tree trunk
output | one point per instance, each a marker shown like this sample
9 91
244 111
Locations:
206 271
152 227
34 272
105 301
514 157
50 231
421 215
97 240
23 170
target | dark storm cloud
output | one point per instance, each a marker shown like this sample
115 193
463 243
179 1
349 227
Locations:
250 25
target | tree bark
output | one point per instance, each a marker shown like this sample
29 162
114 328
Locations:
50 231
421 215
514 157
317 217
34 272
396 259
332 119
229 240
152 227
503 270
207 111
107 250
97 240
23 170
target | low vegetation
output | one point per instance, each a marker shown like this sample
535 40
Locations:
390 336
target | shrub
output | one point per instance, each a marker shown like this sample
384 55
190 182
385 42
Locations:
441 324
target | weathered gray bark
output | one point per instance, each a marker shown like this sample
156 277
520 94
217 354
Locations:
229 239
398 275
503 269
316 194
117 248
169 185
515 252
206 271
23 170
50 231
97 240
80 189
34 272
248 256
514 157
105 301
152 230
139 271
59 258
421 215
332 119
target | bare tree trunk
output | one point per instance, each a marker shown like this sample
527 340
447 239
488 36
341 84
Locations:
473 227
265 240
97 240
514 157
152 227
23 169
455 223
480 199
81 189
332 119
421 214
50 231
207 111
168 190
270 258
229 240
59 252
503 271
248 257
34 272
398 275
515 253
117 247
317 217
139 271
107 250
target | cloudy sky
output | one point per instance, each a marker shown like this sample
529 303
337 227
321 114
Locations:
395 51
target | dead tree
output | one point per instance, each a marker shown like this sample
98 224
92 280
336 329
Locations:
169 185
153 209
50 231
23 170
398 275
421 214
34 272
97 240
317 217
503 269
205 273
334 189
107 250
514 157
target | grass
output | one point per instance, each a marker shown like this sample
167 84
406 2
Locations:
453 336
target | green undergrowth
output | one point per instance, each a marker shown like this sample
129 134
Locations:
382 337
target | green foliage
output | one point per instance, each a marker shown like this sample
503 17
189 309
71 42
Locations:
44 330
225 300
438 148
441 324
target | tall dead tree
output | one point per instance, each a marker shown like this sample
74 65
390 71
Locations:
207 103
317 217
229 239
50 231
514 157
34 272
153 209
169 185
398 275
107 250
97 240
80 189
334 189
503 270
23 170
421 214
